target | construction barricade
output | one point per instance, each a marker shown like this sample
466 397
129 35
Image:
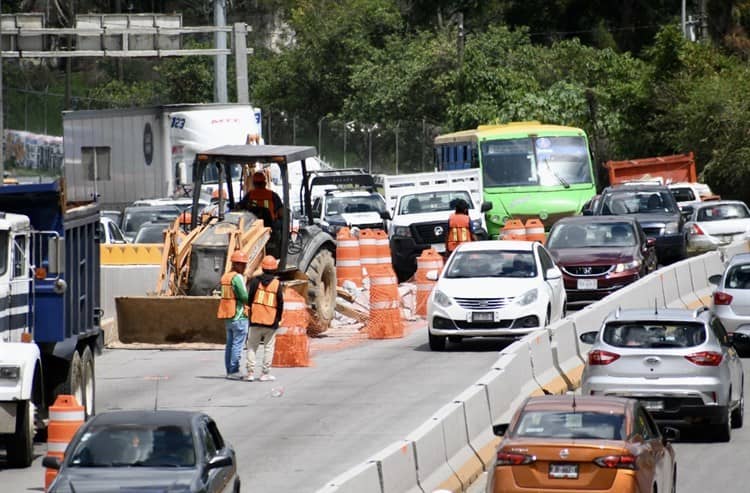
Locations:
429 260
348 263
65 417
368 249
382 248
514 229
385 307
292 347
535 231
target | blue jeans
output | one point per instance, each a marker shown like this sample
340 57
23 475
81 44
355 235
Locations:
236 335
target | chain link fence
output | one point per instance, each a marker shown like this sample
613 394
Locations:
387 148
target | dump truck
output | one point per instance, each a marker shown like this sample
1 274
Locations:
196 255
662 169
50 317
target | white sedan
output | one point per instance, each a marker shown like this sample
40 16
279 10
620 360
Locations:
717 223
494 289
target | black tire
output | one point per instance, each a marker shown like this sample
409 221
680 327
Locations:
437 343
738 414
74 384
20 447
723 431
89 382
322 292
236 488
674 480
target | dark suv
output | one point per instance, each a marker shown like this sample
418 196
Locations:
655 209
599 255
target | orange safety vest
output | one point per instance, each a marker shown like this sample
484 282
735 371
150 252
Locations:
265 303
459 231
263 197
228 303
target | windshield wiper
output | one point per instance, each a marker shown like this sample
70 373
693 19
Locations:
559 178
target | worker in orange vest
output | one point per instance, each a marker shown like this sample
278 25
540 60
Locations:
260 197
232 309
266 307
459 227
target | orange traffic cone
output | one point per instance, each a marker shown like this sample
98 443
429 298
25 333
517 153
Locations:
429 260
65 417
292 346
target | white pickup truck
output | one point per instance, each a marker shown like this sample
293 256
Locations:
420 206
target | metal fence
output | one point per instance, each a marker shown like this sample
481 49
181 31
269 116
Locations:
392 148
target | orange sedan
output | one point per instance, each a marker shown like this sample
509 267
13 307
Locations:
572 443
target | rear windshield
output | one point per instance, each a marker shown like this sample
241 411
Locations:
654 335
723 212
682 194
432 202
492 263
134 218
563 424
638 202
738 277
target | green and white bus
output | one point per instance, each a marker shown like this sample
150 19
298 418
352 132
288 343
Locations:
529 169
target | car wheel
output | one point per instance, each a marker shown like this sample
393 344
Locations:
437 343
546 318
236 488
738 415
724 429
20 446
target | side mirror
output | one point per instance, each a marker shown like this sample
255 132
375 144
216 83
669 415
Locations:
686 210
553 273
588 337
486 206
385 215
587 212
738 339
715 279
650 242
51 462
219 461
500 429
432 275
669 434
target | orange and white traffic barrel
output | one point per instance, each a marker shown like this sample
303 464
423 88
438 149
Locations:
292 346
368 248
385 305
535 231
65 417
382 247
514 229
348 262
429 260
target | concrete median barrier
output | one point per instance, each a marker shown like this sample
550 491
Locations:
476 407
670 287
543 365
713 263
565 352
699 276
397 468
363 478
433 471
511 385
685 284
590 319
733 249
461 456
647 292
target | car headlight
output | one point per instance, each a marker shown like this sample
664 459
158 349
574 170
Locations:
528 297
476 225
10 372
404 231
672 228
627 266
442 299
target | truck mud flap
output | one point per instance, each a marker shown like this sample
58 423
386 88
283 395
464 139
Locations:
169 320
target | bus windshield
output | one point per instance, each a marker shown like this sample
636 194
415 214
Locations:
535 161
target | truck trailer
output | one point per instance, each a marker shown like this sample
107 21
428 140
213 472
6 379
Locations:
118 156
50 311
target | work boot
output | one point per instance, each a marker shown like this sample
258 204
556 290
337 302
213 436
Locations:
266 377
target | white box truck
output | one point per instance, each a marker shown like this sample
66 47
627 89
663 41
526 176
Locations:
123 155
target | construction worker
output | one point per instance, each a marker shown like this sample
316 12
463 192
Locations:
459 227
260 197
266 307
232 309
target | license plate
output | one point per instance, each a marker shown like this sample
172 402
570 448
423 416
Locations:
439 247
653 405
563 471
587 284
483 316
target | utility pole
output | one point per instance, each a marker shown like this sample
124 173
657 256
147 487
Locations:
460 39
220 62
683 19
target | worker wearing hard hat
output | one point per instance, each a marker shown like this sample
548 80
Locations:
233 310
266 307
266 204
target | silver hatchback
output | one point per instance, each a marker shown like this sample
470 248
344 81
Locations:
732 294
681 364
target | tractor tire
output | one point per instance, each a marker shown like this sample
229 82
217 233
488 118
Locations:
322 291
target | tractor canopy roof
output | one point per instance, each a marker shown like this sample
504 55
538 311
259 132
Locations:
265 153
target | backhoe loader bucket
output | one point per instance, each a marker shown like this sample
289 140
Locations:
169 320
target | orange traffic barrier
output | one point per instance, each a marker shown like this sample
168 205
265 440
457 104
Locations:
65 417
368 248
385 305
535 231
382 247
292 347
429 260
514 230
348 263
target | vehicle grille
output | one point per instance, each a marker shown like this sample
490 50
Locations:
425 232
653 232
587 270
482 303
369 226
464 325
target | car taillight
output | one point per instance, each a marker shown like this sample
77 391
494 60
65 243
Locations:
696 230
617 462
722 298
513 459
599 357
704 358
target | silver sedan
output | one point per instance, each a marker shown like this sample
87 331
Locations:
716 223
681 364
732 294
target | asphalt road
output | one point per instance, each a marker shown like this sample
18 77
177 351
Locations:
352 403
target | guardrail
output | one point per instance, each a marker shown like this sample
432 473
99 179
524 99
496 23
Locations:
455 446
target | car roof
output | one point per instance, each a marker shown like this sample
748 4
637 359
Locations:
148 417
476 246
582 403
351 193
136 208
662 314
597 219
636 188
713 203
